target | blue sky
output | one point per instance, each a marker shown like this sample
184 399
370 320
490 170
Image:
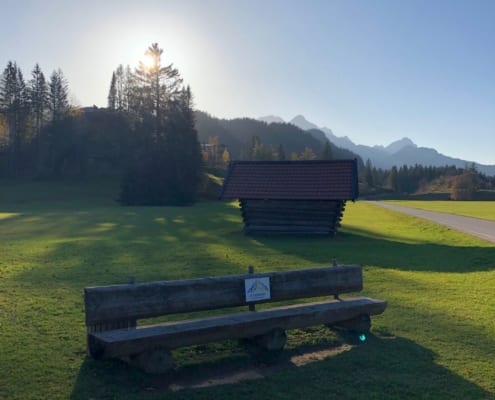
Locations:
372 70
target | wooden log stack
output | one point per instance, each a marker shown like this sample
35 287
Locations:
292 217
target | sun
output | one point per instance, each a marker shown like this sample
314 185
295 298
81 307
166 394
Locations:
147 61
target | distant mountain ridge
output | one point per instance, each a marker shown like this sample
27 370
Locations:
237 135
270 119
398 153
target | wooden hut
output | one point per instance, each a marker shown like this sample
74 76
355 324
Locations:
292 197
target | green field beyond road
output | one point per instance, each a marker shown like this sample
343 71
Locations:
434 341
475 209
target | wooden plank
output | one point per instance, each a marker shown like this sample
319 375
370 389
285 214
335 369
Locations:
324 223
302 204
326 230
291 213
143 300
122 342
281 210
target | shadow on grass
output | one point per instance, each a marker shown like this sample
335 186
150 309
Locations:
108 246
358 246
383 368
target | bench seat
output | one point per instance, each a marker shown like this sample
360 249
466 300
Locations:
126 342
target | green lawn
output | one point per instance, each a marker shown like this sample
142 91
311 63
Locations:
436 340
475 209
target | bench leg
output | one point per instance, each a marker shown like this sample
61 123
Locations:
272 341
266 348
156 361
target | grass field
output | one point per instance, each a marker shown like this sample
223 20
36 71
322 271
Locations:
436 340
475 209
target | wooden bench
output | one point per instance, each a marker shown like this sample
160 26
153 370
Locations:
112 311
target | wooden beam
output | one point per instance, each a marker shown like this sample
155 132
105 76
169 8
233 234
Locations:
119 343
297 230
105 304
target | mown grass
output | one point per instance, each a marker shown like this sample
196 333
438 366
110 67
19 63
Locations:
475 209
434 341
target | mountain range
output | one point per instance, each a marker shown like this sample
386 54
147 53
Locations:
398 153
237 135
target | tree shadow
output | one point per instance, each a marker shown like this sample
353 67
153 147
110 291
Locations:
108 246
386 367
359 246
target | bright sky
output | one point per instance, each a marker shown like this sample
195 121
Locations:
373 70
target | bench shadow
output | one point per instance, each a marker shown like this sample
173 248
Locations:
385 367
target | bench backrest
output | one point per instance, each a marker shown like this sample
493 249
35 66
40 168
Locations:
107 304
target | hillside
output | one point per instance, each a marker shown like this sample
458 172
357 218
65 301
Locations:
237 135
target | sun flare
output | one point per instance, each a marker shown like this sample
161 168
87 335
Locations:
147 61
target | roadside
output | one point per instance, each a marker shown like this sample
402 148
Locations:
472 226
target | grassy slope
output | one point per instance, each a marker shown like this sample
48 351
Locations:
434 341
475 209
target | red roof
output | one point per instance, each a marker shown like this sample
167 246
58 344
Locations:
292 180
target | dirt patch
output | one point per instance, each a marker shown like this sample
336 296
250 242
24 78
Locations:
228 373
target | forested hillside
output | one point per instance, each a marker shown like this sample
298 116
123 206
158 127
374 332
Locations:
274 140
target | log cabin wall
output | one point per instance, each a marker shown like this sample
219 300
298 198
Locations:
292 197
315 217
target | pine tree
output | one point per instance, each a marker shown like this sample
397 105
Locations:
120 88
9 98
14 103
24 108
112 93
256 148
281 153
392 179
58 95
167 166
128 89
326 153
124 90
38 93
368 173
157 87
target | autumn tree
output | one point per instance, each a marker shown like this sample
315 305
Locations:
465 185
225 157
307 154
3 132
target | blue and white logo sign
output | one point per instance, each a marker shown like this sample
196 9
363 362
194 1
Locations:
257 289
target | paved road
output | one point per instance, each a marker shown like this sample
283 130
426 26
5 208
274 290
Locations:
481 228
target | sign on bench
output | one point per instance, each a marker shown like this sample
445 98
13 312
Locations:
112 311
257 289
